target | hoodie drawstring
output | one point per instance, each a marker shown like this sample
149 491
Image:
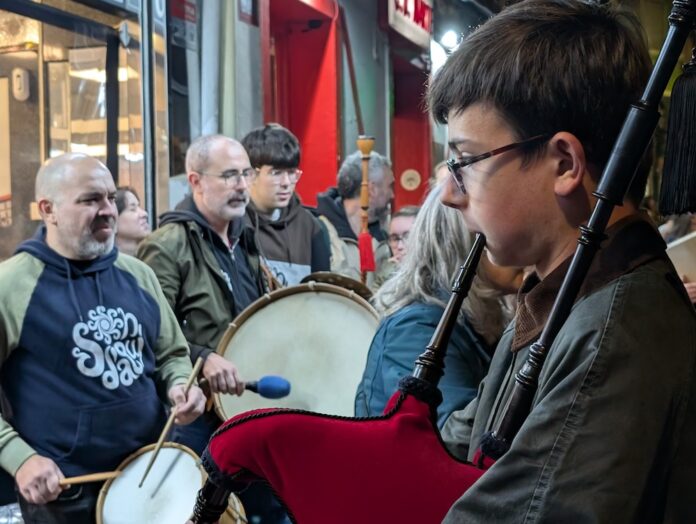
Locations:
71 287
73 294
100 296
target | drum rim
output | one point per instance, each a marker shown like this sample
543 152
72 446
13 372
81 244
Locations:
229 511
318 276
273 296
130 458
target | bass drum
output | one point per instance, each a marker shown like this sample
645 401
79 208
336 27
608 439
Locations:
168 494
327 277
315 335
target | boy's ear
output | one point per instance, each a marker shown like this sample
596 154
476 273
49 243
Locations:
568 155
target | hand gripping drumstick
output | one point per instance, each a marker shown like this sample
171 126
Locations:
269 386
92 477
170 421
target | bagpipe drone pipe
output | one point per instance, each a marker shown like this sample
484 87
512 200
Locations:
395 468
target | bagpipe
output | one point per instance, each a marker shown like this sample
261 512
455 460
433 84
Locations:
395 467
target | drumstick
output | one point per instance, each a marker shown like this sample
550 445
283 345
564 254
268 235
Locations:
166 474
92 477
170 421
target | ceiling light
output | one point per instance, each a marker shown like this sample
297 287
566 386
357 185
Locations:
449 40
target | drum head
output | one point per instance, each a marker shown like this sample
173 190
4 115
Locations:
168 494
315 335
327 277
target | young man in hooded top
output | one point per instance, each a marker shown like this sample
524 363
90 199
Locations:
292 242
610 432
88 347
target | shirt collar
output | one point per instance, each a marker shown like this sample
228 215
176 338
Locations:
629 243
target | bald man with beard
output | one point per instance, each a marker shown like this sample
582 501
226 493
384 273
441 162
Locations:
88 348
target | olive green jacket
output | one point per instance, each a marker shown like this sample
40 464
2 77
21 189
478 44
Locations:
611 437
192 281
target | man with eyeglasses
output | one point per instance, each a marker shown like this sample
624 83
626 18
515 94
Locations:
292 242
339 210
399 228
534 101
208 264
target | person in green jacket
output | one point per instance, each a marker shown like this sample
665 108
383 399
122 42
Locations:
207 262
534 100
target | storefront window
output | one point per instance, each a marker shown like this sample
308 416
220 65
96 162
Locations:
31 56
55 97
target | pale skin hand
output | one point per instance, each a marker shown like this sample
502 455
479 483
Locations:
38 480
222 375
187 407
690 289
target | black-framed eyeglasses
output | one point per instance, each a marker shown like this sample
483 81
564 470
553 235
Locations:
394 239
458 167
277 174
234 176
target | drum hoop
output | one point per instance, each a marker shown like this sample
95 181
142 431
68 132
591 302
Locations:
323 277
269 298
234 509
130 458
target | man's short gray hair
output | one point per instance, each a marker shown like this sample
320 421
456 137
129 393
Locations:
349 175
198 153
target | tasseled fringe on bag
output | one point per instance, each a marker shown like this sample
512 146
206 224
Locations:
678 190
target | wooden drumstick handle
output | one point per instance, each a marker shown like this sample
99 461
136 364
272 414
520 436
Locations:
196 369
92 477
365 145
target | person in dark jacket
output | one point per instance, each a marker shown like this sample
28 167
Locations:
339 210
534 101
292 241
88 345
411 303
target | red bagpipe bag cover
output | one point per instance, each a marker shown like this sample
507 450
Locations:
392 468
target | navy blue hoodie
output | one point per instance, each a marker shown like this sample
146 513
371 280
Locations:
80 379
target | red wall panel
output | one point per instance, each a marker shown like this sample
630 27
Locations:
410 134
302 85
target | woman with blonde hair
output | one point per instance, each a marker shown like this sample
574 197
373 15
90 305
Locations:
411 303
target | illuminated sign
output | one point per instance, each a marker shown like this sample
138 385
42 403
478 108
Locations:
412 19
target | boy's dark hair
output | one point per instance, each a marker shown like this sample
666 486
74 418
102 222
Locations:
120 197
549 66
272 145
